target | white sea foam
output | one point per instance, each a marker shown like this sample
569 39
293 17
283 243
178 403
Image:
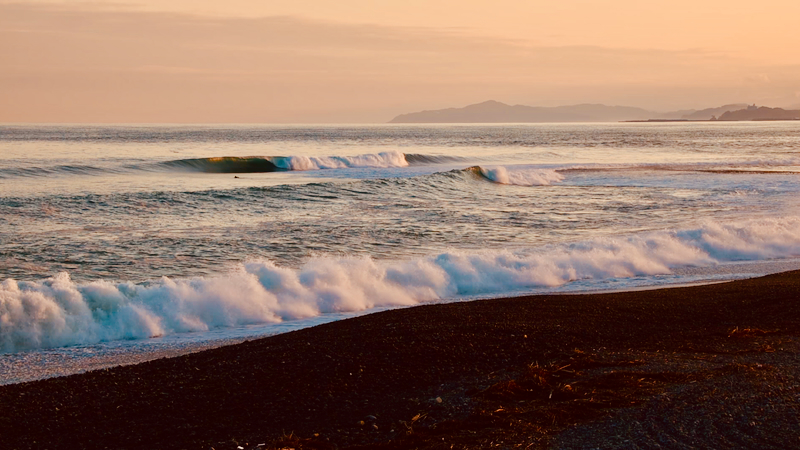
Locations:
384 159
522 176
59 312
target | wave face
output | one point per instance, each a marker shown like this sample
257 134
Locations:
378 160
59 312
225 164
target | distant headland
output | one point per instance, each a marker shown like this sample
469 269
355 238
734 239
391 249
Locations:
763 113
496 112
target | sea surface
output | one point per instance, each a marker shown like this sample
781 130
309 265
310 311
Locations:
120 244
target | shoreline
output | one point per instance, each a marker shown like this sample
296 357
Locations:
61 361
465 373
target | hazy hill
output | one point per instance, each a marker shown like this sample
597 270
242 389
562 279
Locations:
762 113
706 114
496 112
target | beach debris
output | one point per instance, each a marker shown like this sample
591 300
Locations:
438 399
369 420
750 332
409 425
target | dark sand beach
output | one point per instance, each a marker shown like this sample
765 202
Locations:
715 366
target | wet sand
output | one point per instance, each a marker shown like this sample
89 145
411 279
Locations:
705 366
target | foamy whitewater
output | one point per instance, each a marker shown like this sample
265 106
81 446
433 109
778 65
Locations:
120 244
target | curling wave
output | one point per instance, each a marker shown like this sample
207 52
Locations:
59 312
519 176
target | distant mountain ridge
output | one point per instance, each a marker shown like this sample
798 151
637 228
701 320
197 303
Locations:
496 112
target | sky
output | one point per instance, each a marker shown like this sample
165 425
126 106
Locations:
320 61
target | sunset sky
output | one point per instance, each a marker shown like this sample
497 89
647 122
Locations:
367 60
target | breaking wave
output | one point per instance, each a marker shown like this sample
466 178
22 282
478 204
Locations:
519 176
59 312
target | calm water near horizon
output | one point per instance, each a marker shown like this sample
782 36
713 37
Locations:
123 243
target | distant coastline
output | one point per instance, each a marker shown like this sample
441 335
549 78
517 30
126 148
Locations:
750 114
496 112
762 113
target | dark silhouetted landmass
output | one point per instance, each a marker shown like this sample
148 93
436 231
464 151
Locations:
496 112
762 113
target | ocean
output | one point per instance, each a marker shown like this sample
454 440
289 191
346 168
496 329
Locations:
120 244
